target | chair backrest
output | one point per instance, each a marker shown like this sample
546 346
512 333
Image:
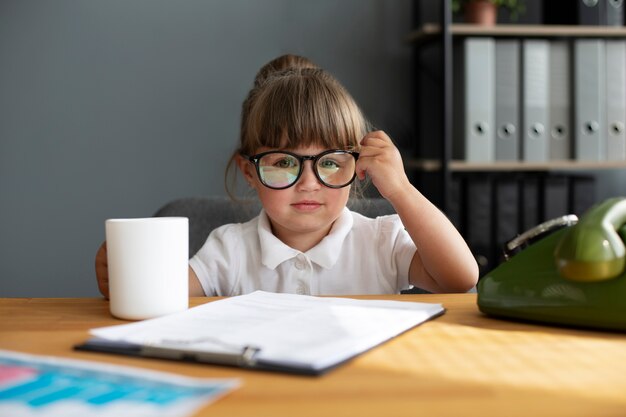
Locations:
208 213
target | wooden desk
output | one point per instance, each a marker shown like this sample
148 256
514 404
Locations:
461 364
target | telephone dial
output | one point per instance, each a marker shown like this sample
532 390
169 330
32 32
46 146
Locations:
566 271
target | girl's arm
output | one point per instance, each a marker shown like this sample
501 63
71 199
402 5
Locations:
195 289
442 262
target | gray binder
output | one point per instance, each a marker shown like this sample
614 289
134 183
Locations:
614 12
559 130
507 73
475 106
589 96
591 12
615 100
535 108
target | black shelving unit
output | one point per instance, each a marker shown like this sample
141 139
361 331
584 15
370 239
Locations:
434 171
441 34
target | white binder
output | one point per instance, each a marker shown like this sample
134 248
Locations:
475 106
507 73
589 96
615 100
535 107
559 130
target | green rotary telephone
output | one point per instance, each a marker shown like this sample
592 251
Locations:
573 276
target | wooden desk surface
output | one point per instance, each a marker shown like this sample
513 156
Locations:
461 364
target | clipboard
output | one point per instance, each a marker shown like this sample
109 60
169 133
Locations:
245 359
296 334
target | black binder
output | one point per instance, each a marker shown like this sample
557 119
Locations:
455 202
555 197
506 212
582 194
529 202
478 221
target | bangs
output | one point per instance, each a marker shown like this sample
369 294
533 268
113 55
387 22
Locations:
301 109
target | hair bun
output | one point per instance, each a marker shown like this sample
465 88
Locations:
280 64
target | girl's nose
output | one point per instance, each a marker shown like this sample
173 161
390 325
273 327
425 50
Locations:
308 180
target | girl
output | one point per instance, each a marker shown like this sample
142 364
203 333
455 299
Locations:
303 142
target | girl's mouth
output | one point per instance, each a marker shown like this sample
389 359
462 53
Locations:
307 205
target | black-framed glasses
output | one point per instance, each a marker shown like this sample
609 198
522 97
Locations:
282 169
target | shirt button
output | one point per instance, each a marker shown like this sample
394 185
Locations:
302 288
300 262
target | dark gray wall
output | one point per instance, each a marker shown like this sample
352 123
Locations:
112 108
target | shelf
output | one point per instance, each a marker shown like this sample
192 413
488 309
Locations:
431 31
434 165
443 33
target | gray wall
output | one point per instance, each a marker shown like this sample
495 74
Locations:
112 108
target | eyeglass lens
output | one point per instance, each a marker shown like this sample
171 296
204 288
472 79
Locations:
280 170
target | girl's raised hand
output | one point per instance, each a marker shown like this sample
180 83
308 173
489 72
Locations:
381 161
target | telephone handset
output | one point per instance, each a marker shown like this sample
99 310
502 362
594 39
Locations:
565 271
593 249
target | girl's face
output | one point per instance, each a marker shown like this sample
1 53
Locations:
303 213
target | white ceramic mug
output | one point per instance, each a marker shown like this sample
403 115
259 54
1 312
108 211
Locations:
148 263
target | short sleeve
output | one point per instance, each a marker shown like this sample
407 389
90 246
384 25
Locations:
396 249
214 263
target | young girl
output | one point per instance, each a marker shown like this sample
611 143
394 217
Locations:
303 142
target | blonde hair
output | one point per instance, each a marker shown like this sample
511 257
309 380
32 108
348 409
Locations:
295 103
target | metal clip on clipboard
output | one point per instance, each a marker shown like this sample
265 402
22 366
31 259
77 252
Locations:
246 358
177 350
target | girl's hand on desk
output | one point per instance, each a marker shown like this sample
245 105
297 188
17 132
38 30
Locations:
102 270
381 161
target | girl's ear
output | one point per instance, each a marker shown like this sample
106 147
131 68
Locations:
247 169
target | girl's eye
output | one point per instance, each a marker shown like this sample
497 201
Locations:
285 163
329 164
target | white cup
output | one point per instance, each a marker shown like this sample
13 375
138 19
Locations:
148 263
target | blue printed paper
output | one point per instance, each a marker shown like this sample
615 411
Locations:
50 387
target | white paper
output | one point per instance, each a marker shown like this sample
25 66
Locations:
288 329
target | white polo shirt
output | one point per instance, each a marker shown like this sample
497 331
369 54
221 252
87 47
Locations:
359 256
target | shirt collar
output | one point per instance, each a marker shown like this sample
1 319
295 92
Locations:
325 254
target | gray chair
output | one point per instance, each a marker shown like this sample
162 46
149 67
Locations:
208 213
